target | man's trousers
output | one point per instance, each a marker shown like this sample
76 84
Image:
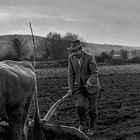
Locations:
83 109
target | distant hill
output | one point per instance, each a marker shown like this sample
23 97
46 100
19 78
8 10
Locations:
5 42
96 49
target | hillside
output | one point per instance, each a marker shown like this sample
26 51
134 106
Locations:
96 49
5 45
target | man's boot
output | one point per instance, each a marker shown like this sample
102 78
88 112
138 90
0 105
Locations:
92 123
82 117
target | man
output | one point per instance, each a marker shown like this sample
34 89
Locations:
83 73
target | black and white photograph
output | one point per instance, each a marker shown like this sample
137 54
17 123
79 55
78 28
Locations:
69 70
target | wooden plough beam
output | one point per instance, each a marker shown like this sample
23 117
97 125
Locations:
61 130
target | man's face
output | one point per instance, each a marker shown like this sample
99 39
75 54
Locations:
77 53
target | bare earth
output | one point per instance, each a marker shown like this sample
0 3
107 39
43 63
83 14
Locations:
118 102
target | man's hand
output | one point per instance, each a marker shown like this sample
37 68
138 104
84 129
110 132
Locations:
71 92
88 84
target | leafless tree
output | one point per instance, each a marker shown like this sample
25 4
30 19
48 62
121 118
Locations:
20 50
72 36
55 39
43 48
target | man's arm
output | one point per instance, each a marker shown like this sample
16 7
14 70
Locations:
93 79
71 75
93 66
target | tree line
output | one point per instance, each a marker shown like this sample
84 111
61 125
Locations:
53 46
119 57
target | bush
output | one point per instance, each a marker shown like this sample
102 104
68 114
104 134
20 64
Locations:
116 62
135 60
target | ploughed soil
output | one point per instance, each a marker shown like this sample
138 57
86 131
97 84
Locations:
118 105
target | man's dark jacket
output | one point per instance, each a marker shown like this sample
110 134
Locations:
85 72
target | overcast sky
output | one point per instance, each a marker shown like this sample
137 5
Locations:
97 21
